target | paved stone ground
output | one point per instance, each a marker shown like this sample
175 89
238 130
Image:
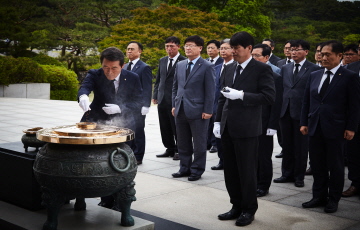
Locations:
195 204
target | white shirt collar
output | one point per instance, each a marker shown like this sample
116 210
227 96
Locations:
174 58
245 63
333 70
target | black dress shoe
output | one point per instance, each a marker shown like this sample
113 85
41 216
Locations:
260 192
180 174
176 157
138 162
314 202
166 154
280 155
230 215
105 204
244 219
217 167
331 206
283 179
213 149
299 183
193 178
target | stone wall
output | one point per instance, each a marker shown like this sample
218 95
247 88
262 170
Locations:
26 90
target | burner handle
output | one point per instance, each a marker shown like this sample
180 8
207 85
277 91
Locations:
118 150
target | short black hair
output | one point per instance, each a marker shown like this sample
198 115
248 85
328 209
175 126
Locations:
242 38
216 42
112 54
288 41
336 46
352 47
318 44
272 43
226 40
266 50
299 42
173 39
138 43
196 39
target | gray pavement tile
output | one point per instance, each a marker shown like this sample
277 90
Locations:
278 193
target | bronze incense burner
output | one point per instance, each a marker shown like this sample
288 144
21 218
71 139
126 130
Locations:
83 161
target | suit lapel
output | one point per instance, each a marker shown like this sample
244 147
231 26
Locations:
194 69
245 73
334 81
289 73
302 71
173 66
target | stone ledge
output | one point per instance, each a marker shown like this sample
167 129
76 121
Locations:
26 90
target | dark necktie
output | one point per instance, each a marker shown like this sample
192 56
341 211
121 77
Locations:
288 61
238 69
296 72
212 60
170 65
325 84
129 66
188 70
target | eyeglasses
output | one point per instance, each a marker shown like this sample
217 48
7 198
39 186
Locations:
349 54
296 50
189 46
287 48
225 48
256 55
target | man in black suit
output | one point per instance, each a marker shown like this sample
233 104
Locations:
295 145
353 148
212 49
287 54
163 93
273 58
133 52
270 124
193 97
117 96
330 116
249 86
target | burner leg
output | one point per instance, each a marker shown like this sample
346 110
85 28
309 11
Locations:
123 199
80 204
53 201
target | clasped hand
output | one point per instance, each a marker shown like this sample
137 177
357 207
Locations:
233 94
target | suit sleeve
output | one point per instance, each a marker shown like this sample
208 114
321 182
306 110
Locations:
306 103
222 99
210 87
88 84
146 85
276 107
157 82
175 86
354 103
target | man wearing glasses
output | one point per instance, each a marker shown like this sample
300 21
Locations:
192 101
295 145
287 54
350 54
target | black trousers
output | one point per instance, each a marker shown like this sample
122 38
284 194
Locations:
265 169
353 154
327 164
167 127
240 166
295 148
139 140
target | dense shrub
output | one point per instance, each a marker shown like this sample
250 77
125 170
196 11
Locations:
64 83
44 59
19 70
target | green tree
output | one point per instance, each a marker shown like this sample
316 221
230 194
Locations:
152 27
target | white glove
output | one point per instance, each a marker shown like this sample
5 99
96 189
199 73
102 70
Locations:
270 132
84 102
111 109
216 130
145 110
233 94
